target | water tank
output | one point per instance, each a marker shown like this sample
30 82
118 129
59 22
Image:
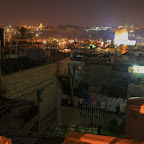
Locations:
134 128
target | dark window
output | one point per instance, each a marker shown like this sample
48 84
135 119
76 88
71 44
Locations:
12 51
120 69
140 55
109 60
21 51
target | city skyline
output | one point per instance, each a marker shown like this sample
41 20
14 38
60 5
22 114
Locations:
86 13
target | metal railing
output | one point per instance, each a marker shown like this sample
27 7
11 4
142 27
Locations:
14 62
91 116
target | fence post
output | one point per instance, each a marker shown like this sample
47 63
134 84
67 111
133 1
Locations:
99 129
58 68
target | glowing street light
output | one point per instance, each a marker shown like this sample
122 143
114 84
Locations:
44 42
135 68
37 35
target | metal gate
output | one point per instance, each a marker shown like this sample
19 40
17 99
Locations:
91 116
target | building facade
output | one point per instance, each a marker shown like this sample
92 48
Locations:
38 85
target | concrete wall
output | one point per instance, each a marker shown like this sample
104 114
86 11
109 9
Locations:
107 78
100 74
25 84
97 74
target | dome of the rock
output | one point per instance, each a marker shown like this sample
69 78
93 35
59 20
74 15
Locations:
121 34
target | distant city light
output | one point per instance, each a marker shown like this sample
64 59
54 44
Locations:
120 26
136 69
41 26
131 31
139 69
98 28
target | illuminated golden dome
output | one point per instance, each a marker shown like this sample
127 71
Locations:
121 34
121 31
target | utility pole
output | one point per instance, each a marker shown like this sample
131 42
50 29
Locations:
54 55
47 51
1 50
38 54
38 47
17 46
2 42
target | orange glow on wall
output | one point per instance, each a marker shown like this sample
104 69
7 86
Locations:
4 140
142 109
124 49
82 138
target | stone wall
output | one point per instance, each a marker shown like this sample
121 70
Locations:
37 84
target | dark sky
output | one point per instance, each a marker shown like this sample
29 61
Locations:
79 12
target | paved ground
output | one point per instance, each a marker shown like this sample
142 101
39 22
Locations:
113 126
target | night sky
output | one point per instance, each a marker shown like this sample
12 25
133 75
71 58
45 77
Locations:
79 12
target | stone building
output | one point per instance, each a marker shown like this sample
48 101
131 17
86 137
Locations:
37 85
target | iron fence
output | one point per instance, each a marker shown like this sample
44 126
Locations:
91 116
